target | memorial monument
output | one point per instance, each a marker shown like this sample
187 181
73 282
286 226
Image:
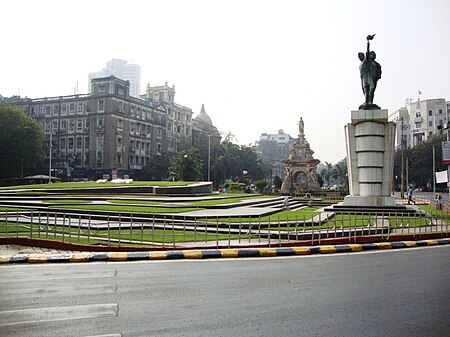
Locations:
300 173
370 143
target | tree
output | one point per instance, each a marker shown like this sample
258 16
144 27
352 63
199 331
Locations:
277 181
261 185
229 160
21 140
187 165
157 169
420 162
326 173
339 173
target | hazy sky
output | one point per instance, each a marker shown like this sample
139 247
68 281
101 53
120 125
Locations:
258 66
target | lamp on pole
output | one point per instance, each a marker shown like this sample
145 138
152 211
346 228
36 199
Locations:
50 158
402 195
209 157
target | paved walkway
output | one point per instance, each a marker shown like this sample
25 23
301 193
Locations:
16 249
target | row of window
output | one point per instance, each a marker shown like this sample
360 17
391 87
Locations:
178 129
430 112
73 143
180 116
62 109
138 112
137 145
137 128
70 125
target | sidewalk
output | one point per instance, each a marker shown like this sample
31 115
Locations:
16 249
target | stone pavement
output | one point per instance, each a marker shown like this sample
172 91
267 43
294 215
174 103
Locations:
16 249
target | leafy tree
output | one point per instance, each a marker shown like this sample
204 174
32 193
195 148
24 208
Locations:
339 173
229 160
261 185
277 182
326 173
157 169
187 165
420 162
21 140
334 174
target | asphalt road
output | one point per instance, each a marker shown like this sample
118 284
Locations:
388 293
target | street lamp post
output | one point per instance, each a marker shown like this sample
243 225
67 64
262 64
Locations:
50 158
209 157
402 169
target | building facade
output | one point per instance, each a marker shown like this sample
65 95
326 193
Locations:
273 149
121 69
419 120
107 132
178 118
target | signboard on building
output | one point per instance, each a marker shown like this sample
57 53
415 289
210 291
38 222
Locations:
446 152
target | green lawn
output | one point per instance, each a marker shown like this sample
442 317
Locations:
128 209
199 203
168 236
91 184
136 202
11 209
67 201
299 215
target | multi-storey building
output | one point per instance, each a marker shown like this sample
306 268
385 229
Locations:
419 120
121 69
178 117
105 132
273 149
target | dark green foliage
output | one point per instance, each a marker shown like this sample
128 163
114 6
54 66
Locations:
157 169
334 175
229 160
277 182
261 185
420 163
21 140
187 165
234 187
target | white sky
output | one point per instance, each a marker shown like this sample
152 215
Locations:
258 66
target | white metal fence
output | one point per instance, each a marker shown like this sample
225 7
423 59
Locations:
177 231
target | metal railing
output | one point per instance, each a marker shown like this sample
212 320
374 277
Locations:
181 232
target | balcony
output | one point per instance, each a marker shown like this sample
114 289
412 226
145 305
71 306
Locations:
418 119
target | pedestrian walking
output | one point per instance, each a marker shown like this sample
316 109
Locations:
410 193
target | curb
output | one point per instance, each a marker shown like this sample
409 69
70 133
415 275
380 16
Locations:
214 253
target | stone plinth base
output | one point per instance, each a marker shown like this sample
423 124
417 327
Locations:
370 158
379 201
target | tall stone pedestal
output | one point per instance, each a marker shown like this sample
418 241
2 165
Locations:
370 158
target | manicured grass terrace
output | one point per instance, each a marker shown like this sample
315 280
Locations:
93 184
128 209
127 236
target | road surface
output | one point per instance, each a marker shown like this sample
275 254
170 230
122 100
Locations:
388 293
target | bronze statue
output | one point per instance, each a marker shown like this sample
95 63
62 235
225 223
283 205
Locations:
370 72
